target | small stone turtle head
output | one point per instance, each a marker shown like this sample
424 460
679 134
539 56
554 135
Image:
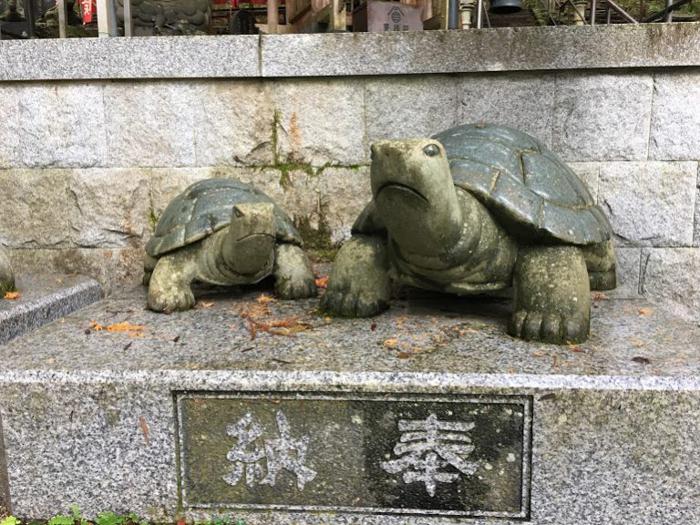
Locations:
415 196
251 237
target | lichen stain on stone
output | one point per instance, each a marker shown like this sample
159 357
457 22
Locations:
317 234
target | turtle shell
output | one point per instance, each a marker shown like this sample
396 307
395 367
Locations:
204 208
525 185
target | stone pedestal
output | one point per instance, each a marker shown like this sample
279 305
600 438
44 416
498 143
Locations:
268 412
42 299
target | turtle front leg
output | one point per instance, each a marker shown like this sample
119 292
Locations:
170 285
552 295
359 284
294 278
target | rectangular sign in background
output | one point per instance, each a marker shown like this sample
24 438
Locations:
442 455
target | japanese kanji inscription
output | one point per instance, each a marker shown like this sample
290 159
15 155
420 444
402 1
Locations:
406 454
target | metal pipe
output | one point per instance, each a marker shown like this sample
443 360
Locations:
61 7
609 17
594 6
479 11
624 14
128 22
669 15
452 14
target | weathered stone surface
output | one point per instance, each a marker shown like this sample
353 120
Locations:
410 107
523 101
671 275
151 124
143 57
319 121
96 407
650 203
233 123
62 208
43 298
510 49
112 268
696 236
628 264
589 173
602 116
675 116
10 155
61 125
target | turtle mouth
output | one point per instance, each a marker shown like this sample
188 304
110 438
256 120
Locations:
401 187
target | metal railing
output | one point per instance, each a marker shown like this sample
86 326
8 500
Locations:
559 10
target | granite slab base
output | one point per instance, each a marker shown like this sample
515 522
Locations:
44 298
272 413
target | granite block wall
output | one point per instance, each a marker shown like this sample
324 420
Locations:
86 167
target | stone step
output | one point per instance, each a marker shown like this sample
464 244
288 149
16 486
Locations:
44 298
267 412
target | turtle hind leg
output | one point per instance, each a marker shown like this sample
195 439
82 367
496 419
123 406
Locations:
359 284
294 278
169 289
552 295
601 264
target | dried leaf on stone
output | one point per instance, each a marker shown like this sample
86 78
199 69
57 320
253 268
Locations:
143 425
203 305
265 299
598 296
12 296
391 343
577 349
322 281
645 312
641 360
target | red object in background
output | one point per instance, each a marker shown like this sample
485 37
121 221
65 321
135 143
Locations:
88 8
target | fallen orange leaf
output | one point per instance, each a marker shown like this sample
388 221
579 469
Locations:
322 281
391 343
644 312
11 296
203 305
265 299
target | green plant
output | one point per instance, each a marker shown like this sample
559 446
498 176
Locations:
10 520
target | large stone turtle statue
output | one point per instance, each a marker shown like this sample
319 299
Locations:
7 278
478 208
223 232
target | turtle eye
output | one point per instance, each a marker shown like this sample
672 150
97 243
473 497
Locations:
431 150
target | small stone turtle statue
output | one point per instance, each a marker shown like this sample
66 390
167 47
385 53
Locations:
475 209
223 232
7 278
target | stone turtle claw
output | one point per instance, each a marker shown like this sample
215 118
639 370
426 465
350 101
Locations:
548 327
347 304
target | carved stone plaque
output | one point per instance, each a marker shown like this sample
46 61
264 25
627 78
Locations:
452 455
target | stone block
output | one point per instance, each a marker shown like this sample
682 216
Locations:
143 57
649 203
112 268
670 275
499 49
675 116
43 298
628 265
61 125
234 125
151 124
144 422
10 155
63 208
410 107
602 116
319 122
523 101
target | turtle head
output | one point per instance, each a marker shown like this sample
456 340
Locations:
415 196
250 241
